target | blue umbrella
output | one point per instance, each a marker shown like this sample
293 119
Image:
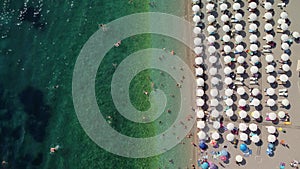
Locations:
224 152
202 145
204 165
243 147
270 146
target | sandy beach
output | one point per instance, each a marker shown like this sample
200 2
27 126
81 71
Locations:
259 158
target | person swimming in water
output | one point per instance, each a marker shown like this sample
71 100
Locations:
54 149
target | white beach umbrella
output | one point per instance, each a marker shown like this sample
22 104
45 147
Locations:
230 126
253 17
200 82
197 41
197 30
227 70
199 71
229 112
238 16
243 126
226 38
280 21
271 129
200 102
255 102
240 69
198 50
240 59
216 125
253 47
255 114
228 80
271 138
238 38
285 67
228 92
212 59
269 58
272 116
214 92
284 26
253 27
211 18
211 49
281 114
236 6
268 6
210 6
200 114
271 79
243 136
200 92
242 114
213 71
229 102
242 102
270 91
227 49
201 135
268 27
238 158
226 28
254 59
196 19
284 37
285 102
270 68
200 124
238 27
284 78
253 127
239 48
254 69
215 80
215 135
215 113
284 57
271 102
241 90
269 38
211 39
284 15
227 59
253 38
214 102
296 35
224 18
252 5
223 7
255 91
268 16
285 46
198 60
196 8
255 139
230 137
211 29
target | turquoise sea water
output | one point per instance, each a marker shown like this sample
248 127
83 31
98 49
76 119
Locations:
36 66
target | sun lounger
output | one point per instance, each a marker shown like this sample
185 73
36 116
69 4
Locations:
283 90
279 31
239 79
238 83
267 46
284 94
253 82
267 51
281 5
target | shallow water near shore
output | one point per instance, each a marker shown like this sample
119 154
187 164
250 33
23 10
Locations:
36 66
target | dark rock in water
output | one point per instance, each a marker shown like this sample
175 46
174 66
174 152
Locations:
38 112
37 160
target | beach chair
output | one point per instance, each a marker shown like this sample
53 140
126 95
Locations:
281 5
283 94
253 82
283 90
267 51
279 30
239 79
238 83
267 46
